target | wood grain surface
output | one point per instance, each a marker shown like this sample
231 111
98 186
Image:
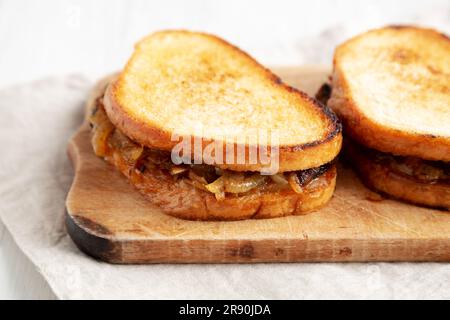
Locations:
108 219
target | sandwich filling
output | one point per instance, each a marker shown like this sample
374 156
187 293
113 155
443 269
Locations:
137 160
419 170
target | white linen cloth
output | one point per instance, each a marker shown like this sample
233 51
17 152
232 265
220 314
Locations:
36 121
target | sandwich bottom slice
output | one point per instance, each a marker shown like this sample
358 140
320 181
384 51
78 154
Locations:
410 179
205 192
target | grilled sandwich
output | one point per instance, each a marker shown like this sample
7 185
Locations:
207 133
391 89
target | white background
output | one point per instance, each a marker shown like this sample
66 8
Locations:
42 38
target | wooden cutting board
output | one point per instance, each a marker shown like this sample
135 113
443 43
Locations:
111 221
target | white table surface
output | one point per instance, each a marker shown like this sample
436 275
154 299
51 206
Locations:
53 37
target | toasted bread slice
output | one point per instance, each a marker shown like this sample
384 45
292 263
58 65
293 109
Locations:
391 88
193 84
381 177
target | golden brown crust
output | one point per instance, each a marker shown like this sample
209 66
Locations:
380 178
373 134
292 157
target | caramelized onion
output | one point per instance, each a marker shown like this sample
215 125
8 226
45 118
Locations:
220 196
217 187
132 154
294 182
279 179
237 183
175 170
315 184
130 151
99 140
423 170
103 129
427 172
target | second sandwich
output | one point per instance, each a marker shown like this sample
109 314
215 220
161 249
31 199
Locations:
391 88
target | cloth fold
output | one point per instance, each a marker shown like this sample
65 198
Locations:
37 120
